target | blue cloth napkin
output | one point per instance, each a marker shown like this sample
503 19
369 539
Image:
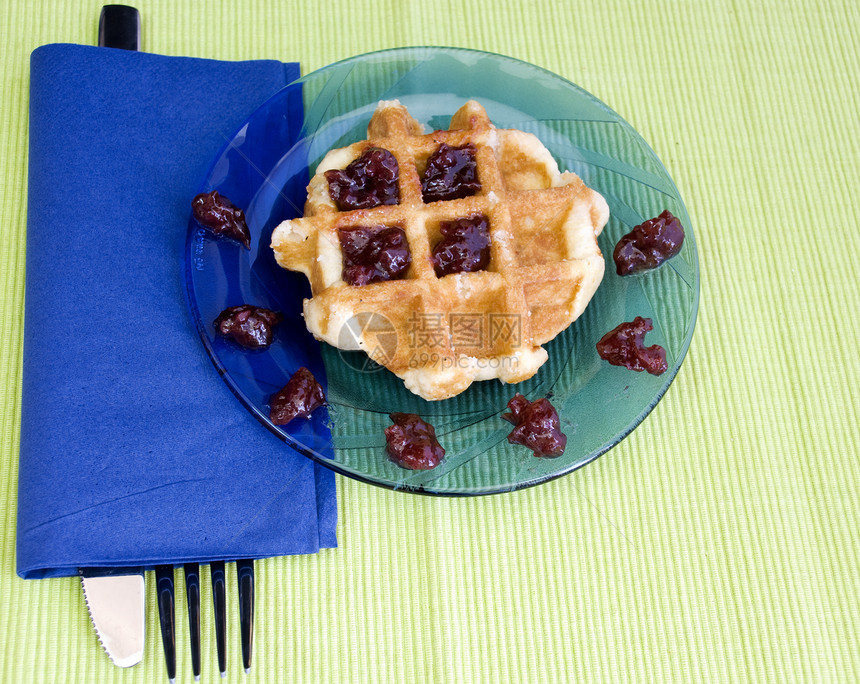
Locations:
133 450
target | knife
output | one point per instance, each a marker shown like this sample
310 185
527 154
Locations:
115 601
119 27
115 596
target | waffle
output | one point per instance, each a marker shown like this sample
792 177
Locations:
544 266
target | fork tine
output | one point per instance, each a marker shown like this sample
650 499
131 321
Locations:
192 593
166 602
245 575
219 601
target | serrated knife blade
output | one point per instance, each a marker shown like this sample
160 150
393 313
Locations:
115 600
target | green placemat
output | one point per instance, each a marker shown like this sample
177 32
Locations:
719 541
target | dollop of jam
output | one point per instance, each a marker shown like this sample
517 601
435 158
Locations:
250 326
537 426
625 346
451 173
372 254
412 443
369 181
649 244
300 397
464 248
216 213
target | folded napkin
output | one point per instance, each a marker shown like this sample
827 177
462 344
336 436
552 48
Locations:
133 450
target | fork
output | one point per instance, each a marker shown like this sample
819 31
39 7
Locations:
164 581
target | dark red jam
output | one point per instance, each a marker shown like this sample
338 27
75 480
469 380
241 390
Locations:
451 173
300 397
464 248
649 244
412 443
372 254
537 426
625 346
249 326
216 213
369 181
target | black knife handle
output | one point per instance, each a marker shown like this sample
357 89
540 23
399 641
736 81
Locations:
245 575
219 602
119 27
166 603
192 594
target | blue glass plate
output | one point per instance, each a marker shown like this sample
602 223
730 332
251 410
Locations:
265 170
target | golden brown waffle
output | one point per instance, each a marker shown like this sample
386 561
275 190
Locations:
544 267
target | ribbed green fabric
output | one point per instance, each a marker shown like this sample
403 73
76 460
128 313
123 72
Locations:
719 542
